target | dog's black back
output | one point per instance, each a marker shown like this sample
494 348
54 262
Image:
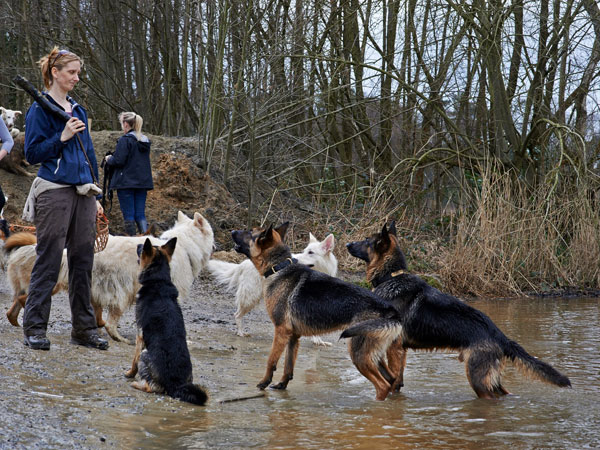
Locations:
166 361
322 301
432 319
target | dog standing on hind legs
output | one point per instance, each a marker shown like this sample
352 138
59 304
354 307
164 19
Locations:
304 302
164 365
432 320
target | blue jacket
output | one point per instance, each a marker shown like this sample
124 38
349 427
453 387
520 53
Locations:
131 163
62 162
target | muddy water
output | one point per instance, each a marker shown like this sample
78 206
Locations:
77 398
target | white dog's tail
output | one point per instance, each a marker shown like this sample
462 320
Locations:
225 273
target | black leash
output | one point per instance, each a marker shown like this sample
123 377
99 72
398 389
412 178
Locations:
107 193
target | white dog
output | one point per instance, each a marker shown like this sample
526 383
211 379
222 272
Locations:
115 272
9 116
245 282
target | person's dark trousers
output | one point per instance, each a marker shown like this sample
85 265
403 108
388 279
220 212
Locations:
62 219
133 207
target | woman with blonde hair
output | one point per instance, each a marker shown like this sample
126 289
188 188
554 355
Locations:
132 174
62 203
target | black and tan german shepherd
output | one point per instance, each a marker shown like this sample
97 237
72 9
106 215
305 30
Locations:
432 320
304 302
165 365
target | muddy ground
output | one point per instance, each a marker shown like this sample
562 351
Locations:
74 397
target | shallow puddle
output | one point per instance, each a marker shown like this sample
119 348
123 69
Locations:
328 405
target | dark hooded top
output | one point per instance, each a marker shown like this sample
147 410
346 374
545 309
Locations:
131 163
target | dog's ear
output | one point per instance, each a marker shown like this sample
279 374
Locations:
312 239
148 249
199 220
2 109
328 243
384 232
282 229
17 113
382 242
265 237
169 247
181 216
392 229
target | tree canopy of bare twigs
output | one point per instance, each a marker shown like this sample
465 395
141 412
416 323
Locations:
355 104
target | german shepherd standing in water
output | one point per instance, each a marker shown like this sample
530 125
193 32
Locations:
165 365
432 320
304 302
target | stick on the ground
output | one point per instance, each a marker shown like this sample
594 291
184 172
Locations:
239 399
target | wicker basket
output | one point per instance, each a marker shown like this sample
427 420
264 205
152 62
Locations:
16 228
101 232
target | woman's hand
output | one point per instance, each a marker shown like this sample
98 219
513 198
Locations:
99 208
72 127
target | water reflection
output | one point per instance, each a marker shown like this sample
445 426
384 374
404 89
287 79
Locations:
328 405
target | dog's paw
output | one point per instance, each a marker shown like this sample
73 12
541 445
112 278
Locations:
263 385
278 386
130 373
397 386
320 342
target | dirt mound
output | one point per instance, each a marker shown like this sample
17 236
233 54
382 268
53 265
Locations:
180 184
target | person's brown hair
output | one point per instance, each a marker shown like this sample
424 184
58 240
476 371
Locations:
56 58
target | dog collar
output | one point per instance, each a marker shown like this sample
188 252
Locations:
387 277
282 265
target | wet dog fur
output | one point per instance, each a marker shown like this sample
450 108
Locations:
432 320
115 271
162 358
303 302
245 282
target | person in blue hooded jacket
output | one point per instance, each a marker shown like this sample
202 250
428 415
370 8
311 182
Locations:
132 173
62 204
7 144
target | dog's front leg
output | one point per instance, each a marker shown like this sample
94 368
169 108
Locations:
280 339
139 346
290 360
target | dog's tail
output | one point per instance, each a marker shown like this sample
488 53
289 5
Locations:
225 273
191 393
381 327
534 367
20 239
